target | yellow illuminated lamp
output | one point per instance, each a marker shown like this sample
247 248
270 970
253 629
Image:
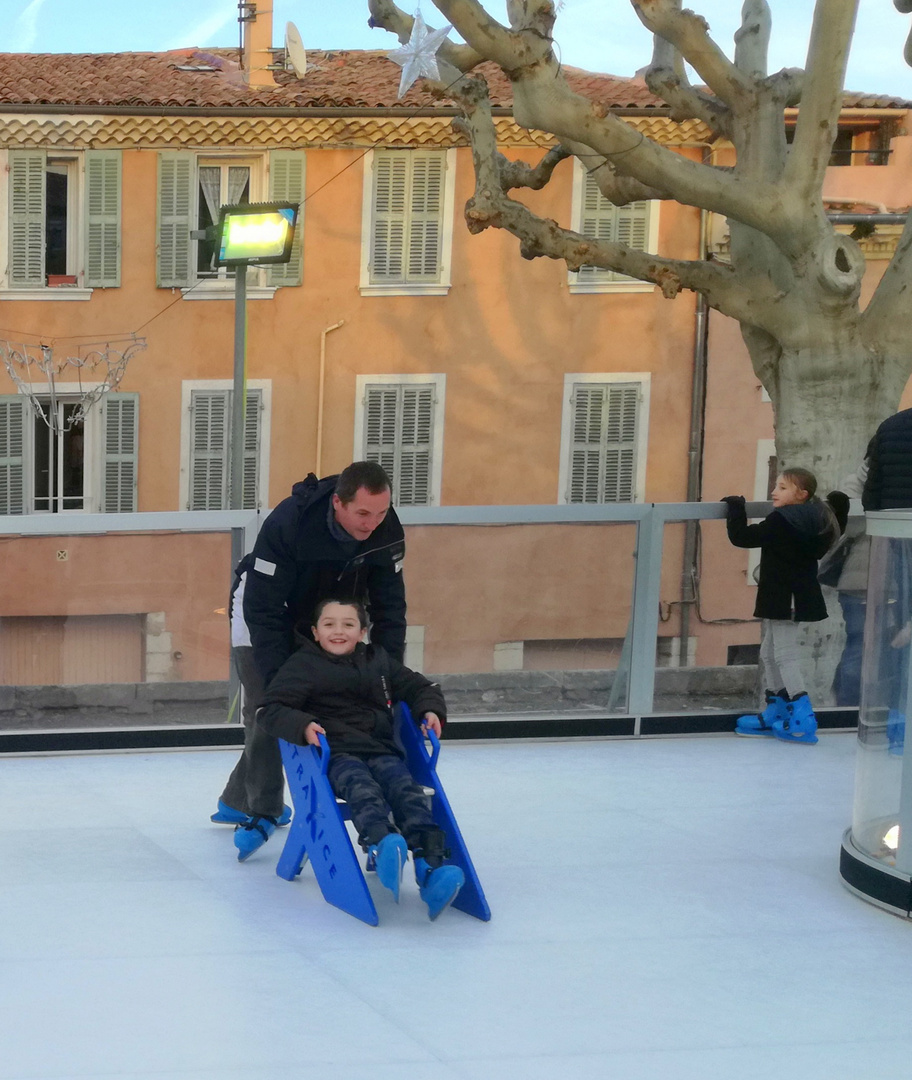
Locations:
256 233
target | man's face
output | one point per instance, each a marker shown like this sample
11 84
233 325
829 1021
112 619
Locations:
363 514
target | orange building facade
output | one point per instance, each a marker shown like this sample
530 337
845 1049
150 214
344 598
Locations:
478 378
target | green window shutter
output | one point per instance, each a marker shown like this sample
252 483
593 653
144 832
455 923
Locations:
210 449
13 414
603 442
407 226
286 184
426 218
176 175
602 220
27 218
252 428
398 433
102 213
119 466
210 414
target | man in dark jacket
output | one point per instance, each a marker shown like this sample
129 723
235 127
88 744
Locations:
888 485
335 537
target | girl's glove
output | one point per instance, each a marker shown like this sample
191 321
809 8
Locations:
733 502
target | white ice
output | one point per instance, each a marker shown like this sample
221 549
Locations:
662 910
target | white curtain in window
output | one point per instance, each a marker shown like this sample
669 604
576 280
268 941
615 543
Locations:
238 179
210 178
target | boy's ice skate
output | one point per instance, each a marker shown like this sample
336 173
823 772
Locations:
762 723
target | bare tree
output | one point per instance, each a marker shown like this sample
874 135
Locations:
832 369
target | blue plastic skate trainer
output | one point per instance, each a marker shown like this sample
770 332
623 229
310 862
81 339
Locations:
318 830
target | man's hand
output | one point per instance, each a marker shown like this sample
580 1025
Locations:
312 733
431 720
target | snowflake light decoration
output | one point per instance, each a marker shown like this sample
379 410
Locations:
418 58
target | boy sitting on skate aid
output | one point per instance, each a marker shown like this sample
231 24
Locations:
337 687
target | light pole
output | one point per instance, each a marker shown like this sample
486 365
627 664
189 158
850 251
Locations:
248 234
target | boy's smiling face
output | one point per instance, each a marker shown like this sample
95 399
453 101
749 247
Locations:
338 629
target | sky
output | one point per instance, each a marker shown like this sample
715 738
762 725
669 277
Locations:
601 35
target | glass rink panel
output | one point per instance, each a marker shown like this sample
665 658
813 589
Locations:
881 788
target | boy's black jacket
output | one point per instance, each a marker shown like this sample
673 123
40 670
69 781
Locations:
791 540
296 562
348 695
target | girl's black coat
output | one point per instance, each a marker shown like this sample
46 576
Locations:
791 540
350 696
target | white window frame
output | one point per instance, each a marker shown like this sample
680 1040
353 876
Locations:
644 378
439 381
93 430
75 160
442 286
187 388
621 283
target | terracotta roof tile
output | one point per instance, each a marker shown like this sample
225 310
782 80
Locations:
197 78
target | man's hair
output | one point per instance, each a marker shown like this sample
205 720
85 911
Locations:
362 474
356 604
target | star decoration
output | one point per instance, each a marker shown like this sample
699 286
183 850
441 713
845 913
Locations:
418 58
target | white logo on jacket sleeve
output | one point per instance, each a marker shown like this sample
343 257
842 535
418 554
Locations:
398 567
264 567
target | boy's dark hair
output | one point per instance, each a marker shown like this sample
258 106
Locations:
362 474
356 604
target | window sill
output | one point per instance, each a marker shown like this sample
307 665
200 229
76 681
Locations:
225 290
611 287
54 292
405 290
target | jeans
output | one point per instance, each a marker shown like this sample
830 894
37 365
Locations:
376 786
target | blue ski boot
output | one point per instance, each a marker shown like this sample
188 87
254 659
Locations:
253 835
227 815
762 723
800 725
438 882
389 858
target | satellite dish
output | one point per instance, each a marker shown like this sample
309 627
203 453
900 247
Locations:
295 54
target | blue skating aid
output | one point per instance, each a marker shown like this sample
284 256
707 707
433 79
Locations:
896 731
318 831
423 767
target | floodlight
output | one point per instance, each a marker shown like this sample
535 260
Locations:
256 233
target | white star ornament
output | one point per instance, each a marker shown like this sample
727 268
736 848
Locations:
418 58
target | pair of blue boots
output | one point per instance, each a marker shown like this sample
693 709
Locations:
250 833
438 886
791 720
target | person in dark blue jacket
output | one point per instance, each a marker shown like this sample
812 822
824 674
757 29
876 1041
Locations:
338 537
799 531
340 688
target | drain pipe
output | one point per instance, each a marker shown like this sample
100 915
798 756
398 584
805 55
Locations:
328 330
694 456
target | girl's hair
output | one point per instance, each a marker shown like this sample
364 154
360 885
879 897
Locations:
356 604
805 480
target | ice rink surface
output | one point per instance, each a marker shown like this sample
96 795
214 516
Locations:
662 910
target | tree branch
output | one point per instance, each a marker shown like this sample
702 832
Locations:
688 33
821 101
665 77
386 16
752 38
510 49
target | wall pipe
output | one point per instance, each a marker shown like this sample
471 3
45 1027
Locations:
323 334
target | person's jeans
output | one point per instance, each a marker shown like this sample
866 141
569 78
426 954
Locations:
847 679
376 786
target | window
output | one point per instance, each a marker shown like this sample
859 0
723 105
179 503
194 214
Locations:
192 188
593 215
90 467
206 445
399 423
603 438
408 221
64 221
